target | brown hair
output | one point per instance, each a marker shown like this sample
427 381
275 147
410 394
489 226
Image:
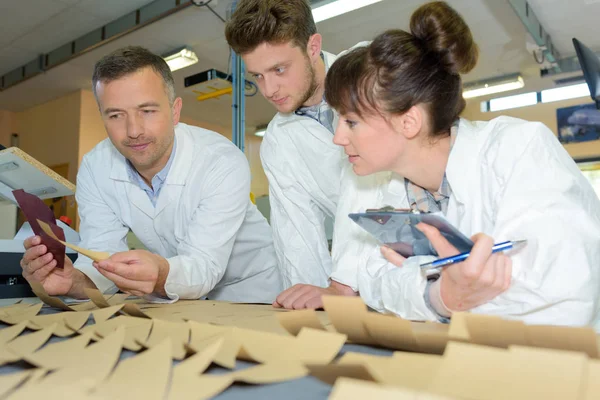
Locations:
399 69
272 21
127 60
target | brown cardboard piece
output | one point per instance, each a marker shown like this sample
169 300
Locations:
8 334
412 370
98 298
74 390
11 381
144 376
391 332
473 371
309 347
331 372
187 383
294 321
494 331
118 298
591 381
103 314
107 327
24 345
67 323
177 332
58 355
94 255
14 316
84 306
94 364
564 338
409 370
201 387
354 389
55 302
136 334
271 373
346 315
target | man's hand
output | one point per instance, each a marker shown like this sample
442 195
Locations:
475 281
307 296
137 272
39 266
392 256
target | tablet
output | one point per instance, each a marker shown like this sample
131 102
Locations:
397 229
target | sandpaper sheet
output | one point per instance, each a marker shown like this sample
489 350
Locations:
36 210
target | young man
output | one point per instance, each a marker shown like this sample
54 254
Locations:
184 192
279 43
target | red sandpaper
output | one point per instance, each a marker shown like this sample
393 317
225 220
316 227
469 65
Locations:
34 208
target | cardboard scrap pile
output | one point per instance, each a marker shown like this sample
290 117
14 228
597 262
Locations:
476 357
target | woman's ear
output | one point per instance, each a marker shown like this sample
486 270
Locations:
410 123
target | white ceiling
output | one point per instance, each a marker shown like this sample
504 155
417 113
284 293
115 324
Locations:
29 28
567 19
38 26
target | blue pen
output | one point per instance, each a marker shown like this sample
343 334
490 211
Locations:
443 262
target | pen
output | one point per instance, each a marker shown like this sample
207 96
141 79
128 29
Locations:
443 262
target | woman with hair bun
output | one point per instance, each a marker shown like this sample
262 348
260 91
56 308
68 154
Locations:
400 101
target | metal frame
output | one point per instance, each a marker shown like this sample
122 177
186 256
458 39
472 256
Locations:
238 105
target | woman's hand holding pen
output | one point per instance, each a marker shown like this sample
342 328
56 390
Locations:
468 284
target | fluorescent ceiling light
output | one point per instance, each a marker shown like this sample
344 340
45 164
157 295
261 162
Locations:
566 92
260 132
339 7
519 100
181 59
492 86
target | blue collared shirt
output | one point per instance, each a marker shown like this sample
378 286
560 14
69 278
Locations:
157 181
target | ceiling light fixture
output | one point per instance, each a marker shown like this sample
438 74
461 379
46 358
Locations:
491 86
339 7
180 59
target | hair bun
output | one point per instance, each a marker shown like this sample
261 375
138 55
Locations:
443 31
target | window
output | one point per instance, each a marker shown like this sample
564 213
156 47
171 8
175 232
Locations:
564 93
519 100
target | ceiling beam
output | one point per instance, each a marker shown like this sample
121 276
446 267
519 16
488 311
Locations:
537 32
116 29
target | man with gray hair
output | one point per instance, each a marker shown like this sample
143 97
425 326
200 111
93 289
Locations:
184 191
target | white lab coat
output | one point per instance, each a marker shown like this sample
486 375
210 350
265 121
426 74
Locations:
216 241
303 167
510 179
